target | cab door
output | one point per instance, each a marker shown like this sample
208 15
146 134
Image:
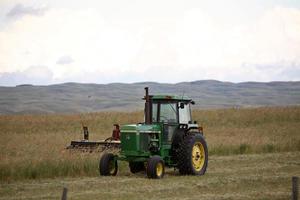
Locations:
168 116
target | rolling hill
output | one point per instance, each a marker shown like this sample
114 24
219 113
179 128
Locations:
76 97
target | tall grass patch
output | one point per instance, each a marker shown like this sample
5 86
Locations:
33 146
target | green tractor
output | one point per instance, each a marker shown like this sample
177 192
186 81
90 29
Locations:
168 137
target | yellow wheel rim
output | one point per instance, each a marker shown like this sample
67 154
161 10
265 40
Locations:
159 169
198 156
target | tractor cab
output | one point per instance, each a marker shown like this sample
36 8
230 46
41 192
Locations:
171 110
167 109
172 113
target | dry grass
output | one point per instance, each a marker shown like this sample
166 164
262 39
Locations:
256 176
255 130
32 146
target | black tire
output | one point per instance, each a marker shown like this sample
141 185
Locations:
155 167
108 165
193 155
136 167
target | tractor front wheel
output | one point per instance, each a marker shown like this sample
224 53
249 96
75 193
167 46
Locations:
155 167
108 165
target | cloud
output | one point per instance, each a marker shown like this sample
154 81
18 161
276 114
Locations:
37 75
289 72
20 10
191 45
95 44
64 60
233 53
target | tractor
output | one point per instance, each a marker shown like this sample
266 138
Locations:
167 138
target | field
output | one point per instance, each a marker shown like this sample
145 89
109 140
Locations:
253 155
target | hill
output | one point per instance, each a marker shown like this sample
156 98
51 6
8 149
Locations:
76 97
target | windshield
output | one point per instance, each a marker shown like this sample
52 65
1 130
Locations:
167 112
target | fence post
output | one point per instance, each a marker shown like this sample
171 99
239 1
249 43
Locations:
64 194
295 181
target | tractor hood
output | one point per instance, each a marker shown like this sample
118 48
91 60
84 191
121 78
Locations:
146 128
135 138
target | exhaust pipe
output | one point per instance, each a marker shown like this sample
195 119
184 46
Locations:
147 107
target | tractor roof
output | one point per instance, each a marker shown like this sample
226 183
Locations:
171 97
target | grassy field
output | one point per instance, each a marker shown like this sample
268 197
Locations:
253 154
254 176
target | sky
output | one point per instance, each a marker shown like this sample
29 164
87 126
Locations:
169 41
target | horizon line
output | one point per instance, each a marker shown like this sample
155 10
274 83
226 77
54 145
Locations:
145 82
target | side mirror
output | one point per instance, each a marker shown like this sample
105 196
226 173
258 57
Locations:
193 102
181 105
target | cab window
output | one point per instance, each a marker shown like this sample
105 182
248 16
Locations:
185 114
168 112
154 112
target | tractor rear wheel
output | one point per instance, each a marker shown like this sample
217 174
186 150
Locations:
193 155
136 167
108 165
155 167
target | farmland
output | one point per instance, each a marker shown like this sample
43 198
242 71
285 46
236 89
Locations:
253 154
255 176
